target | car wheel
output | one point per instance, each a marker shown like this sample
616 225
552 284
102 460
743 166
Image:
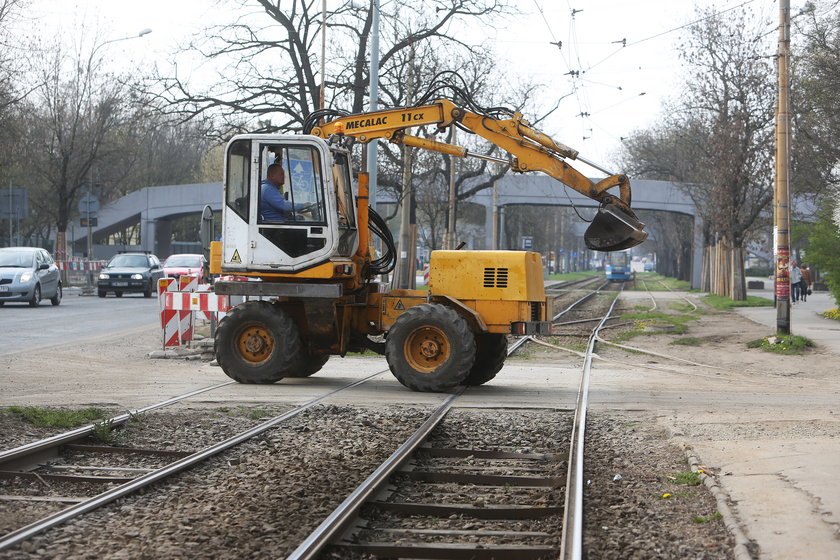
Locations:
118 294
148 291
102 293
36 296
56 299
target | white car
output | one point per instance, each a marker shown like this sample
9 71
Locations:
28 274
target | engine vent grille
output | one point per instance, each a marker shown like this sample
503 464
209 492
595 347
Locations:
495 277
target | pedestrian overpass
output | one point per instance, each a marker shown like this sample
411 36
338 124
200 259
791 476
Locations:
155 209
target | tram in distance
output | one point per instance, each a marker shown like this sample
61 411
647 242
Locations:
617 268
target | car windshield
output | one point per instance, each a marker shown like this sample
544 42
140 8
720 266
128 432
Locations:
15 259
183 260
133 261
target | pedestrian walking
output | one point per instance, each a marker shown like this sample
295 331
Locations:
795 281
805 284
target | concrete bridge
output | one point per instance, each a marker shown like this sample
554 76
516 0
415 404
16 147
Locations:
155 208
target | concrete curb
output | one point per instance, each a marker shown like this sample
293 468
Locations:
741 550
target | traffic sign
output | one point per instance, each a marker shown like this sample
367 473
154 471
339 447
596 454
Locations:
92 222
527 243
88 205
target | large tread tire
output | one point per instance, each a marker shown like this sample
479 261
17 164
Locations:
56 299
430 348
309 364
258 342
490 354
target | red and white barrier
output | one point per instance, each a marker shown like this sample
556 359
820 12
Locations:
80 265
169 320
179 301
426 274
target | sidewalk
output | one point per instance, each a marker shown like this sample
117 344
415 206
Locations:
805 318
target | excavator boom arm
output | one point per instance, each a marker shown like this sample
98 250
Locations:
614 227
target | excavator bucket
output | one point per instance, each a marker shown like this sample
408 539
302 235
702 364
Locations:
614 229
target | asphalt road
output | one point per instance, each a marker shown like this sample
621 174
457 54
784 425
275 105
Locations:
77 319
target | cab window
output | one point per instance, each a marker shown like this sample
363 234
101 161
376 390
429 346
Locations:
237 177
296 195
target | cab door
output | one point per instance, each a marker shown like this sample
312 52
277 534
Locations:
305 233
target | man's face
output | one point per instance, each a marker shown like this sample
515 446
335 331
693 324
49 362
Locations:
277 176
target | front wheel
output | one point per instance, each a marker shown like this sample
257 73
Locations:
148 291
430 348
56 299
36 296
309 364
258 342
490 354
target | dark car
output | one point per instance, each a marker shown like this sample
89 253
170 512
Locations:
28 274
130 272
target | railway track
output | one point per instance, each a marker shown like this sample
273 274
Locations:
516 494
497 502
102 474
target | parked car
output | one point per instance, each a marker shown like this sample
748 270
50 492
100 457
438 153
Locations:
28 274
130 272
176 266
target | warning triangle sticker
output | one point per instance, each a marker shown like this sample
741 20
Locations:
399 306
235 258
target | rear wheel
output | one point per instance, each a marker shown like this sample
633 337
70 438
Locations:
430 348
258 342
56 299
490 354
36 296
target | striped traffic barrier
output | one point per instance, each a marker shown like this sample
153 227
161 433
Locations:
169 320
186 283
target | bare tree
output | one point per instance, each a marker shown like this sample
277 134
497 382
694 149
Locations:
719 137
270 73
72 121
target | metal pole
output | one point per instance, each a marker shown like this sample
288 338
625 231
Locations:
404 277
374 99
782 202
10 213
323 50
495 246
450 228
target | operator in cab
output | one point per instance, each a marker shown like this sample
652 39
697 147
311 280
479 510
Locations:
273 205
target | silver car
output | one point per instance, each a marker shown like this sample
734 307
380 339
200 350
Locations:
28 274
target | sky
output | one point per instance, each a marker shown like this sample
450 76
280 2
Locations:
621 88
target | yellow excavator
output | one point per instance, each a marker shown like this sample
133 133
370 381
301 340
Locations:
308 273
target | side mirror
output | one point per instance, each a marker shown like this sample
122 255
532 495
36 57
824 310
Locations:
43 266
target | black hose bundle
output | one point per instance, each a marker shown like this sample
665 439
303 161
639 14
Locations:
388 260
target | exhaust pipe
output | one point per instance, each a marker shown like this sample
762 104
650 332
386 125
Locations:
614 229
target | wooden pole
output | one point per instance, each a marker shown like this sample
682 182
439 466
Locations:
782 186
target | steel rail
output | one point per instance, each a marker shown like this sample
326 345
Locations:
24 533
338 520
16 454
667 287
580 301
571 545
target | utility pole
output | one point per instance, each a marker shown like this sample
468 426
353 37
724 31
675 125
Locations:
781 204
374 100
450 226
403 277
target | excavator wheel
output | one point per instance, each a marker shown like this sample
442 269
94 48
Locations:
490 354
309 364
430 348
257 342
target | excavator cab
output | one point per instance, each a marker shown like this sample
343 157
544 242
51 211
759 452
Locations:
614 229
290 220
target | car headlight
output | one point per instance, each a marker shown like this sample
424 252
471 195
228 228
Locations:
26 277
136 276
104 276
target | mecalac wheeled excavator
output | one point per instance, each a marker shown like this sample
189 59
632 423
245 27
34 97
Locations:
313 273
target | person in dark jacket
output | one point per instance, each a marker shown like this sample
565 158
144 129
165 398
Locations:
805 283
